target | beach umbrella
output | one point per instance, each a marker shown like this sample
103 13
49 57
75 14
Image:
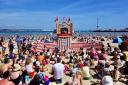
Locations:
117 40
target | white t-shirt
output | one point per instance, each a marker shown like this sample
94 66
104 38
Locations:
107 80
58 70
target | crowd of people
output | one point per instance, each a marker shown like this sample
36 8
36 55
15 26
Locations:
27 67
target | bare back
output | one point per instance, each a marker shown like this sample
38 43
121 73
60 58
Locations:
6 82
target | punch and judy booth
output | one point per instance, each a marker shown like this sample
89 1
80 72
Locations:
64 33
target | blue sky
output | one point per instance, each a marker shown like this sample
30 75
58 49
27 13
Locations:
40 14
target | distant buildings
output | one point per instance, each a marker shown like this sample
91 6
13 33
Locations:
112 30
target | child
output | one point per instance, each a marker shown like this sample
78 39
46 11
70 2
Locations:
116 74
65 67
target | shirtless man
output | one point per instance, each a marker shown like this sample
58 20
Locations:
5 67
40 58
5 80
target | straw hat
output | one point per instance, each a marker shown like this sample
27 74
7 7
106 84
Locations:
16 67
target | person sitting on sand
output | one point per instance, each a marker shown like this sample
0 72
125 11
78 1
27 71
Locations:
126 68
35 80
10 46
40 58
19 42
116 73
29 68
58 71
118 62
106 69
109 48
24 47
125 55
94 57
86 72
5 80
94 54
102 58
6 65
73 70
103 55
15 74
1 56
65 67
77 78
87 61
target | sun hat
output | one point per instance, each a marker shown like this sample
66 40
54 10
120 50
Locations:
107 80
37 63
16 67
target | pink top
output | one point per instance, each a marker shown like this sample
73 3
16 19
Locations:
94 54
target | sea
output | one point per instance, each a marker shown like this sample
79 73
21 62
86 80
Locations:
7 33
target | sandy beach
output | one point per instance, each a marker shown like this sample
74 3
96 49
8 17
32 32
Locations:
67 78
